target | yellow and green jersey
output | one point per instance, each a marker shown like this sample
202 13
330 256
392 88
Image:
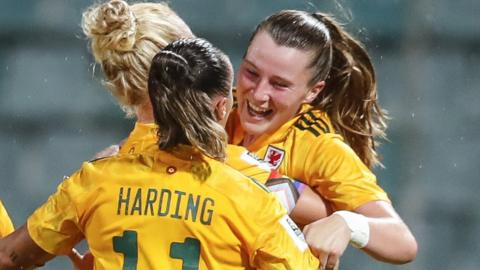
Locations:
143 138
155 210
307 149
6 225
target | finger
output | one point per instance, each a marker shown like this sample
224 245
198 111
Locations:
323 257
317 252
338 265
331 262
306 228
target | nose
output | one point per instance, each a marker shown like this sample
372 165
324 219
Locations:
261 91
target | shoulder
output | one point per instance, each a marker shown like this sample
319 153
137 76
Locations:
104 170
315 144
327 147
314 123
123 159
313 131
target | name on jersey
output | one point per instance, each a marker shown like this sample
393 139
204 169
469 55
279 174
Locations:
165 203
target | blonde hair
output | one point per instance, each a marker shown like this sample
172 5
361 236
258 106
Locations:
124 39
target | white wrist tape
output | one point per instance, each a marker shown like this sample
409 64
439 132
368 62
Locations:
358 225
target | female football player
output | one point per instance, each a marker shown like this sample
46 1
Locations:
307 103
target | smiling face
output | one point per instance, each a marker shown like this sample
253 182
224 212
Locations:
272 85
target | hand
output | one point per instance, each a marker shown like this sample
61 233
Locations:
81 262
328 238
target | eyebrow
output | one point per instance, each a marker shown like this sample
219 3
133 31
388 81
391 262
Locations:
249 62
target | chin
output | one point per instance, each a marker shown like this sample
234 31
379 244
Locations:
253 129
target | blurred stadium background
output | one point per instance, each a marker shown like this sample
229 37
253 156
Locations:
54 113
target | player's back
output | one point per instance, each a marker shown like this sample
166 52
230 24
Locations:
156 211
170 215
143 138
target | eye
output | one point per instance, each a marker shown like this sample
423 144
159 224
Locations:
279 85
251 72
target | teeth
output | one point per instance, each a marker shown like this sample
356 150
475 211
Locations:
257 109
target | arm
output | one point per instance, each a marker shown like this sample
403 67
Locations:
298 199
303 213
19 251
387 227
341 178
329 237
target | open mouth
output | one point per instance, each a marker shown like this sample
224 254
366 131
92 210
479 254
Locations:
257 111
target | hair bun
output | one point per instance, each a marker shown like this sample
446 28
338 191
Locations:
111 26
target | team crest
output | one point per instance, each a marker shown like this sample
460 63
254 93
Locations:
274 156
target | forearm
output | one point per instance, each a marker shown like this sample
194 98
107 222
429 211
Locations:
309 208
390 239
18 251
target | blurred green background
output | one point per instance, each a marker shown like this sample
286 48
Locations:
54 113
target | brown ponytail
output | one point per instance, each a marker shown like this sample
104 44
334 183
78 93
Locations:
183 78
350 95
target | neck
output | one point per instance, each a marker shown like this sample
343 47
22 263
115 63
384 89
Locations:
249 140
144 114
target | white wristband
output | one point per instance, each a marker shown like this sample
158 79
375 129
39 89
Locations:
358 225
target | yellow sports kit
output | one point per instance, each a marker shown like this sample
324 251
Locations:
308 149
6 225
144 138
169 210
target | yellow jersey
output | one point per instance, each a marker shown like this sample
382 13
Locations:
155 210
307 149
6 225
143 138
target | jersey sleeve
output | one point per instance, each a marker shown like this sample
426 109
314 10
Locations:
54 225
338 174
6 225
280 243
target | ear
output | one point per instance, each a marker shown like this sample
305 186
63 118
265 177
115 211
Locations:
220 105
314 91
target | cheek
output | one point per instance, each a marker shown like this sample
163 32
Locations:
282 99
287 104
241 82
242 87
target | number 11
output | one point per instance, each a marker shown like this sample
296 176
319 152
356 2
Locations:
187 251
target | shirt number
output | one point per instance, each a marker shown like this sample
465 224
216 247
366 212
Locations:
188 251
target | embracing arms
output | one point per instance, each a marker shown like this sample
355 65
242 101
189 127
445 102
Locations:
337 173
